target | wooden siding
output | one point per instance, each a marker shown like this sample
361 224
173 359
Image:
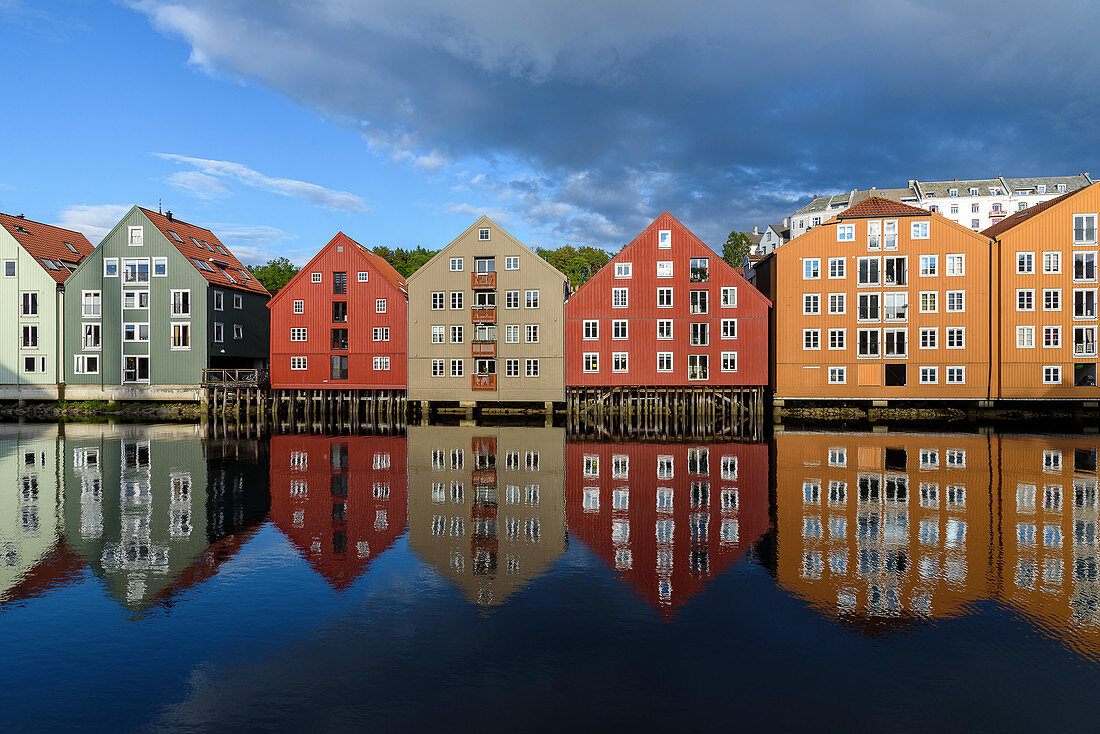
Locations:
804 373
341 254
30 276
593 301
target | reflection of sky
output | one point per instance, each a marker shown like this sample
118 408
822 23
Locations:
268 642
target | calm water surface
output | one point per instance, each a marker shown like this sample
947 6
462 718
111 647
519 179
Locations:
488 579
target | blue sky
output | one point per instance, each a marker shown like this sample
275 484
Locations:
278 123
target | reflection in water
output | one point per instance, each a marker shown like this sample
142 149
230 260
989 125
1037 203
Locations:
667 517
485 505
341 501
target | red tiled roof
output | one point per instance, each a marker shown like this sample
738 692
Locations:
1020 217
46 241
220 263
877 206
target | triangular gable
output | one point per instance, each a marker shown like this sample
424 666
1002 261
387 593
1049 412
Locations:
374 261
49 243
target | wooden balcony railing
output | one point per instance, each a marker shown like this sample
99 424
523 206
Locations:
485 477
483 382
487 350
484 315
483 281
238 378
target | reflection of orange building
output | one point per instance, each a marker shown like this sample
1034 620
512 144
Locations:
1049 534
341 500
485 505
669 517
885 526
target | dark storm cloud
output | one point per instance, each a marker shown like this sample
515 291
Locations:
586 118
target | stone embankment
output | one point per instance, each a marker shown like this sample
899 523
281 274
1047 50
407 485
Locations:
98 408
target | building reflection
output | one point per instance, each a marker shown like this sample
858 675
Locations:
885 527
485 505
667 517
147 512
341 501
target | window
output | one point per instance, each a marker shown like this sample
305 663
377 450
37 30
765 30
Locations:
664 239
511 368
664 297
956 265
380 305
894 270
837 338
1025 337
438 368
34 364
339 367
1052 337
956 301
181 335
952 192
9 268
867 342
456 264
729 328
1084 266
1052 375
874 235
456 334
1052 299
890 234
838 375
531 332
1084 341
110 267
956 337
868 306
836 267
664 268
928 301
1084 228
894 342
135 332
811 338
439 334
219 301
975 223
729 297
811 268
929 375
846 233
315 277
91 336
837 303
339 283
298 363
1025 299
532 368
811 303
29 336
919 231
160 267
381 333
219 332
623 270
532 299
136 237
1025 262
618 361
298 334
482 235
439 300
591 330
894 306
456 300
135 299
381 363
181 303
1052 262
511 334
664 328
1084 303
956 376
86 364
868 271
591 362
698 367
928 265
363 276
457 367
729 361
664 361
698 302
28 303
700 335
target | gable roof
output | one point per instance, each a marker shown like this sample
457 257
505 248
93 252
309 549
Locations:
44 242
223 264
1020 217
877 206
482 222
376 261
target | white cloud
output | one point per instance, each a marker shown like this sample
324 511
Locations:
200 185
94 221
255 243
209 179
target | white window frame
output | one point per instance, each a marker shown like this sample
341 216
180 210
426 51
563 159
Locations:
138 241
174 327
624 270
456 264
315 277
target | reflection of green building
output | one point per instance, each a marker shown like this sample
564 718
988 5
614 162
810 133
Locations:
145 512
29 506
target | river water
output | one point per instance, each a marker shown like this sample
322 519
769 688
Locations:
473 579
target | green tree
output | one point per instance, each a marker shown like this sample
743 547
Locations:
404 261
275 274
579 264
736 248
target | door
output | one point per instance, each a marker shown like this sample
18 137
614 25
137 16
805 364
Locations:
135 369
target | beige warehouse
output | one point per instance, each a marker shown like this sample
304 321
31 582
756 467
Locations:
486 322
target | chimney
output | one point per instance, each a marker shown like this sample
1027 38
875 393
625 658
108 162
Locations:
912 182
756 230
169 215
786 222
21 216
815 197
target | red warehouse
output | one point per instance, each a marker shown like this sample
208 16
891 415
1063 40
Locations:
667 517
340 323
339 508
666 312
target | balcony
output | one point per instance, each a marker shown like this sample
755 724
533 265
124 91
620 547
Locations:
485 478
484 315
1084 349
484 349
483 281
483 382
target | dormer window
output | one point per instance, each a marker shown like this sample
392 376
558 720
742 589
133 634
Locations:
993 191
1041 188
952 192
1061 188
973 192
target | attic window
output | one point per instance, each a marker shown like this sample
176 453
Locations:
72 249
222 250
50 264
244 274
195 241
176 237
483 234
231 278
1041 188
974 191
21 228
202 265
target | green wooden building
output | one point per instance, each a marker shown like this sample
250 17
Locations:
153 305
36 260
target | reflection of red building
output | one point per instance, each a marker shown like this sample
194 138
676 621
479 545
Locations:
341 500
668 517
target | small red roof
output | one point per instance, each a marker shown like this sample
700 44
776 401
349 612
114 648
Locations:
1022 216
877 206
44 242
196 243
